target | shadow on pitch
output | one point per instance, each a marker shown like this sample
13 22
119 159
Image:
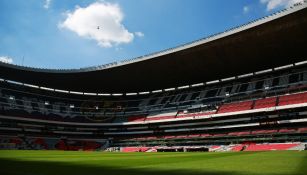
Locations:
16 167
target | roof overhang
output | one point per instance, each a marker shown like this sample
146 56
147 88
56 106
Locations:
269 42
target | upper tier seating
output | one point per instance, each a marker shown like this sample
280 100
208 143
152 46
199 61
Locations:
237 106
196 114
233 107
18 104
293 99
265 103
165 117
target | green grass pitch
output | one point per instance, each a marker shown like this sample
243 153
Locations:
100 163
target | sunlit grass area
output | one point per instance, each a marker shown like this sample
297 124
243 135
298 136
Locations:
91 163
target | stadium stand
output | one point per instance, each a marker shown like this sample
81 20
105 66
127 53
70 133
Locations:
135 149
38 143
265 103
233 107
271 146
262 107
293 99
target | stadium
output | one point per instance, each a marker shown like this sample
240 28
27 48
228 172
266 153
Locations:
243 109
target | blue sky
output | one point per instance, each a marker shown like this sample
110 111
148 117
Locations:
82 33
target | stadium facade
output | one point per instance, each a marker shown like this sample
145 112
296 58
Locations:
242 89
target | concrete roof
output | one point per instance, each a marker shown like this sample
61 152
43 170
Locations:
269 42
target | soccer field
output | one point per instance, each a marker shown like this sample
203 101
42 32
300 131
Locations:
92 163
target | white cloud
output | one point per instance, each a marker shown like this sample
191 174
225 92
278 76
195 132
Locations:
273 4
100 21
6 59
246 9
47 4
139 34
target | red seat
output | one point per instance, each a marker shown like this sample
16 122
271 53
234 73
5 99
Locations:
219 135
239 133
135 149
169 137
293 99
264 131
136 118
233 107
265 103
302 130
160 118
194 135
182 137
272 146
237 148
286 130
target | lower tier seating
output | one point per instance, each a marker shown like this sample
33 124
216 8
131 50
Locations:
271 146
135 149
219 148
8 142
75 145
238 148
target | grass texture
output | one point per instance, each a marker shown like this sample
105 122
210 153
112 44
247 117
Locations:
17 162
